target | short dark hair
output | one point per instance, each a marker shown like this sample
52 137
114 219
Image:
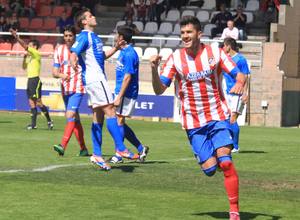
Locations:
79 17
188 19
70 28
232 43
126 32
35 43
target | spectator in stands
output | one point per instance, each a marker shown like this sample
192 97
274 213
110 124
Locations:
240 20
30 8
270 16
230 31
219 3
129 10
156 8
4 7
63 21
11 22
2 23
16 6
220 20
142 10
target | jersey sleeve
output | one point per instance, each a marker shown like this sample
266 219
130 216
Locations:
168 71
227 64
243 66
56 59
34 53
81 44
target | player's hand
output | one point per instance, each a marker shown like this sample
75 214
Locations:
119 44
238 88
66 77
13 32
245 98
155 61
117 101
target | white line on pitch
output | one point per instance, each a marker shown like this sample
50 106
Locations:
54 167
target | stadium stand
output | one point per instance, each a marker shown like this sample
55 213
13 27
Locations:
203 16
188 12
17 49
173 15
157 42
207 29
45 11
139 25
24 23
149 51
252 5
58 10
176 30
36 24
46 49
209 4
139 51
49 24
165 53
150 28
5 48
172 43
165 28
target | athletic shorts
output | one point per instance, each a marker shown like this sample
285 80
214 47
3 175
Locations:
126 107
207 139
99 94
235 103
72 101
34 88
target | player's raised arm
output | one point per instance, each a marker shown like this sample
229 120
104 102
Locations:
157 85
17 37
117 46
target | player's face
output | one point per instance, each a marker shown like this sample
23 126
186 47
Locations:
226 48
190 36
90 19
30 44
69 38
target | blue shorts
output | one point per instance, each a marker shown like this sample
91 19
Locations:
72 101
206 140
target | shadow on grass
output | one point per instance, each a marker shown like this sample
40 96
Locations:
6 122
252 152
125 168
243 215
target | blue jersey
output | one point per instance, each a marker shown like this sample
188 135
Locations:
88 47
128 63
242 64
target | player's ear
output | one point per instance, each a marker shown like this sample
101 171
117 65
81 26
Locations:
200 34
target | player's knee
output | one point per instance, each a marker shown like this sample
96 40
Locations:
210 171
225 162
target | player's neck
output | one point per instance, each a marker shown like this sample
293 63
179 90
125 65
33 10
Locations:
232 53
89 28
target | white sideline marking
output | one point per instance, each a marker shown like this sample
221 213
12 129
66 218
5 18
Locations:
54 167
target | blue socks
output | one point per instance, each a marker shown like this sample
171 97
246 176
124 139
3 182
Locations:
113 128
96 131
236 132
130 136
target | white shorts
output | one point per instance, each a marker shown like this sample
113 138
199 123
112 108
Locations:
99 94
235 103
126 107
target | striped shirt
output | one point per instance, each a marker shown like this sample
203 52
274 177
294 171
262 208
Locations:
199 84
62 61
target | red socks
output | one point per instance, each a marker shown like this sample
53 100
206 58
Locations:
78 131
68 133
231 183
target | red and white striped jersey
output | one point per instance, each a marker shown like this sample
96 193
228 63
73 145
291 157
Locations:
198 83
62 61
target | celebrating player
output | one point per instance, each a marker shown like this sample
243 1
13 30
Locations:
72 91
126 91
87 50
32 64
197 70
235 102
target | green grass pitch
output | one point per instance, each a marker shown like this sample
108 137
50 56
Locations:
37 184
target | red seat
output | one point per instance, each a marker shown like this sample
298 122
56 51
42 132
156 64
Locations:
58 10
49 24
42 39
47 49
5 48
36 23
44 11
17 49
24 22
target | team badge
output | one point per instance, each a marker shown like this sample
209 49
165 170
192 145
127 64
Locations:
211 61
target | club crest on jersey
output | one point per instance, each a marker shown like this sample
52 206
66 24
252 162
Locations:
211 61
